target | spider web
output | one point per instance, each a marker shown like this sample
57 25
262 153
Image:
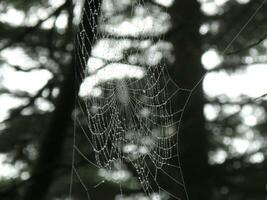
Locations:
129 110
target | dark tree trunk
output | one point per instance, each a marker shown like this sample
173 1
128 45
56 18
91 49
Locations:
52 142
51 146
187 71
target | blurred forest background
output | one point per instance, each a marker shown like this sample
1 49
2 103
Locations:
223 131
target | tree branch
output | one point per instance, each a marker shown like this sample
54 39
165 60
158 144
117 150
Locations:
33 28
249 46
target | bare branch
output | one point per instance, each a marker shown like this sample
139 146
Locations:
33 28
249 46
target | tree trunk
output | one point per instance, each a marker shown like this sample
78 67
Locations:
52 143
187 71
50 148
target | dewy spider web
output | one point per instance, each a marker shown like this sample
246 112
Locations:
128 114
129 119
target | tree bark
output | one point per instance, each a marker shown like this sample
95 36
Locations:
51 146
187 71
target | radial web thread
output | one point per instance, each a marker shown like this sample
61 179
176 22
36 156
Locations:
129 109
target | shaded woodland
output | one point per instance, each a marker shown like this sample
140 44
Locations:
37 140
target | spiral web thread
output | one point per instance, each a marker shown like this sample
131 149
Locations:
128 115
